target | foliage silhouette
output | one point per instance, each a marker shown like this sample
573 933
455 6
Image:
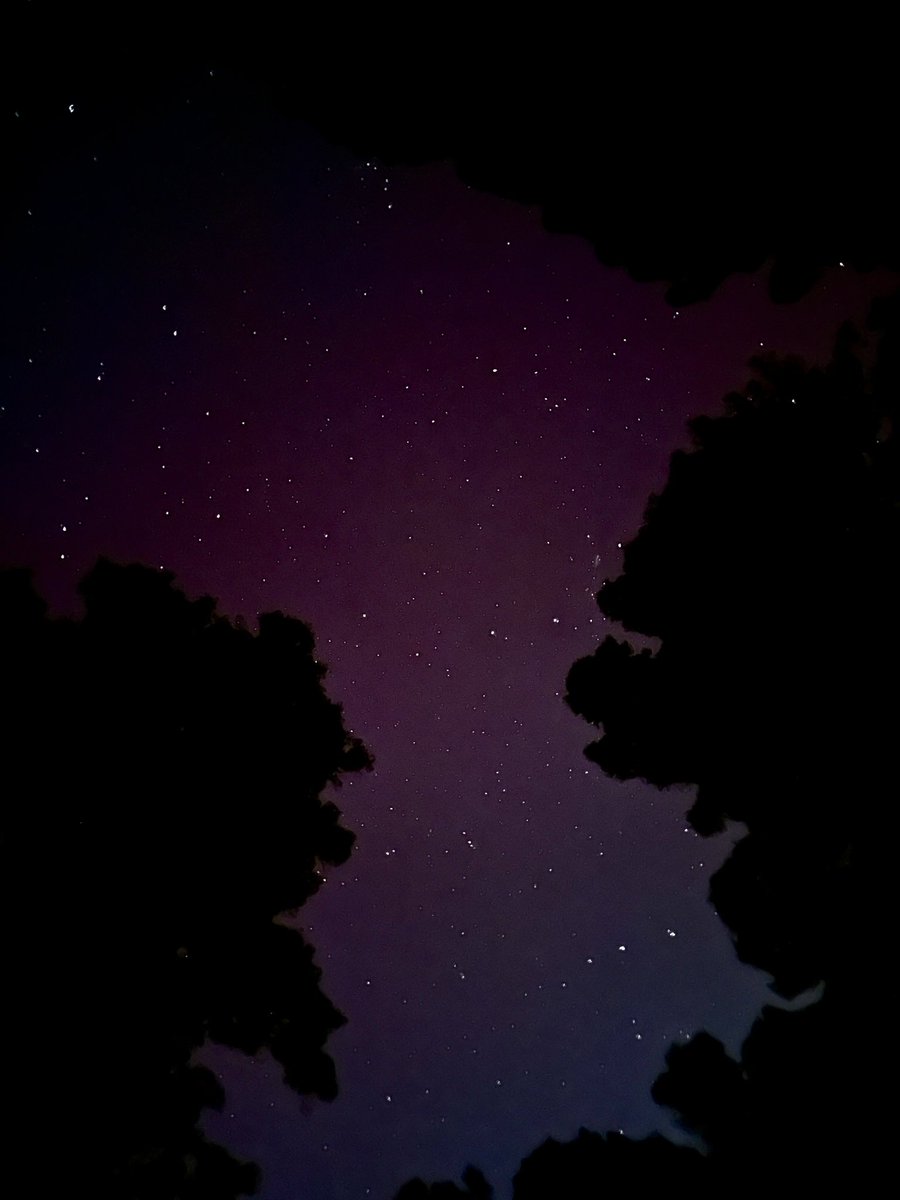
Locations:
767 570
782 523
655 144
680 156
592 1163
477 1188
164 770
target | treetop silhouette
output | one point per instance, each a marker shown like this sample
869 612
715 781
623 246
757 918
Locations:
766 571
165 771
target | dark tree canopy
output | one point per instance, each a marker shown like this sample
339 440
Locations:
164 771
477 1188
767 569
594 1165
682 151
767 573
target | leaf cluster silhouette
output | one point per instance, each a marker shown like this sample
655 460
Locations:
766 572
681 155
165 770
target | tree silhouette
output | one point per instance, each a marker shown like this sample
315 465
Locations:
651 143
477 1188
681 156
164 771
593 1164
766 571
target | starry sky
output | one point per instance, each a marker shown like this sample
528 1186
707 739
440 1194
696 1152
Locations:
400 409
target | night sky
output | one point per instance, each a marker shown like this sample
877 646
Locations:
400 409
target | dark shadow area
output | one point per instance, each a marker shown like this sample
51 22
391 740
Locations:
163 774
767 570
592 1163
683 152
477 1188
